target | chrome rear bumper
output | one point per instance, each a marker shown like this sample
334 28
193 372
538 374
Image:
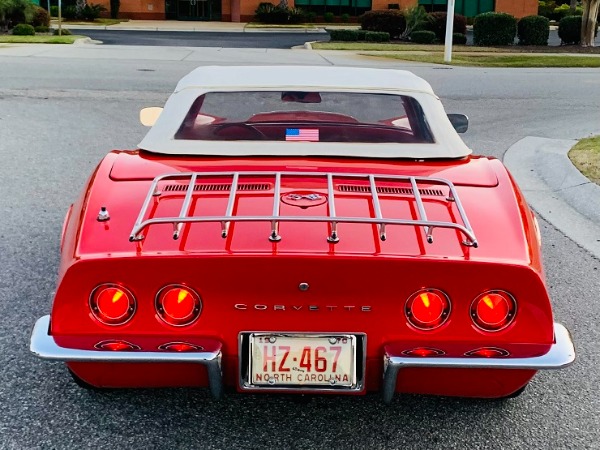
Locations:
44 346
561 354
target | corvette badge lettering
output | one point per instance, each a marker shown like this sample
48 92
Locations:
260 307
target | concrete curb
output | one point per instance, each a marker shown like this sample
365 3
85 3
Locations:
86 41
556 189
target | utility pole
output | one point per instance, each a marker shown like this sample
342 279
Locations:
449 32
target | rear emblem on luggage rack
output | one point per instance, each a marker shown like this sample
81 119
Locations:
303 199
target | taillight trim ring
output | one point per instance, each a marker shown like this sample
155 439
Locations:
445 313
160 310
95 310
512 314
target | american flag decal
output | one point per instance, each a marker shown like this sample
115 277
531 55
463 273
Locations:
305 134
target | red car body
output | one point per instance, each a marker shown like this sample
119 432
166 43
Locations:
257 280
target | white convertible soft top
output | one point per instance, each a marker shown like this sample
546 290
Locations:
160 138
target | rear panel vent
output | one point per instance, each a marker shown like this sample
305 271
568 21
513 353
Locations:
388 190
224 187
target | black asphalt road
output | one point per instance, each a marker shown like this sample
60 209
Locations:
200 39
228 40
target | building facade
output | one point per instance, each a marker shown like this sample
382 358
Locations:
243 10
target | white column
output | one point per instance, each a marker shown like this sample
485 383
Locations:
449 32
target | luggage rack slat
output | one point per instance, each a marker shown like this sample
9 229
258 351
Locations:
377 207
230 205
332 218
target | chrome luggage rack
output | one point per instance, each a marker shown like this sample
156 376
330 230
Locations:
332 218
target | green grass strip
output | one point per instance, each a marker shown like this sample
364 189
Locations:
40 39
474 60
585 155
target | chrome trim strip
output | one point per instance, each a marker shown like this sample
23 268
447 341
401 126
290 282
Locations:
561 355
245 385
44 346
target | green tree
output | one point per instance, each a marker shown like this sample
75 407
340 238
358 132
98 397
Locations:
9 7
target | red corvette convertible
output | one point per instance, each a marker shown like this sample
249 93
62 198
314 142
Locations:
304 230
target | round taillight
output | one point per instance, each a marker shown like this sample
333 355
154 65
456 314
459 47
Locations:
178 305
493 310
427 309
112 304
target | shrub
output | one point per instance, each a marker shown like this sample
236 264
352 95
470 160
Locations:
546 9
569 30
269 13
23 29
565 10
533 30
296 15
65 32
328 17
54 11
422 37
40 17
377 36
361 34
389 21
41 29
92 11
459 39
311 16
493 28
69 12
345 18
343 35
436 22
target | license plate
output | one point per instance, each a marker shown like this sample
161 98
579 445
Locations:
303 360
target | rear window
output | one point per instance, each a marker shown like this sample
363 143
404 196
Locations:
305 116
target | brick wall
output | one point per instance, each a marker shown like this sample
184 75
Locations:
517 8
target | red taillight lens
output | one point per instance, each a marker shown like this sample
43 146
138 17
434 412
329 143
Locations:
180 347
427 309
116 346
423 352
112 304
178 305
493 310
488 352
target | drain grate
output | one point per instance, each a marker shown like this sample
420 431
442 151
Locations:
388 190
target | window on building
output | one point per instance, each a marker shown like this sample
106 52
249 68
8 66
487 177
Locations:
337 7
468 8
